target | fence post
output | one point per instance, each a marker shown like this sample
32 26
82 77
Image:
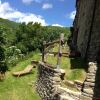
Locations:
43 51
61 41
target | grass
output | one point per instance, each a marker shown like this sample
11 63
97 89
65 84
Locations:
64 49
74 71
13 88
74 67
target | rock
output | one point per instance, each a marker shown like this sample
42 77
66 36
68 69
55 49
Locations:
70 92
69 83
84 97
90 77
89 84
92 67
56 79
65 97
90 74
60 70
90 80
78 82
88 91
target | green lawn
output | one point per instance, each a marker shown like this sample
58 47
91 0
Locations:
75 70
74 67
14 88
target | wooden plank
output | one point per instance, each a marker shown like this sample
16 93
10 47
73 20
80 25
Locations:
66 53
59 51
43 51
51 43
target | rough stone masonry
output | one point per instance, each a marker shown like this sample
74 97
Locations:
86 29
47 81
85 38
49 86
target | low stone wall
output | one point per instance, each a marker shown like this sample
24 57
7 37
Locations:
49 84
89 83
47 81
49 87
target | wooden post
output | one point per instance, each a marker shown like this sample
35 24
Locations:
43 51
61 39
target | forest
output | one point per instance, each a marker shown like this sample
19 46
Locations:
17 40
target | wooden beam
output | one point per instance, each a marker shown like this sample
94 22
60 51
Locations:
66 53
61 39
51 43
43 51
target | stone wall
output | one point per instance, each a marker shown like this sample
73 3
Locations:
86 37
86 28
84 24
47 81
49 85
94 45
89 83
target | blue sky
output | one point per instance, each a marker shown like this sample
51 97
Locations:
47 12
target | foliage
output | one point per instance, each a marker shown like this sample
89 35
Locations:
31 36
74 67
22 88
7 23
3 66
13 54
26 38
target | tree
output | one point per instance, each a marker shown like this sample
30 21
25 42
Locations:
3 66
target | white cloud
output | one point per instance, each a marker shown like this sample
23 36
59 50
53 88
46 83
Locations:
32 18
5 7
47 6
72 15
27 1
7 12
57 25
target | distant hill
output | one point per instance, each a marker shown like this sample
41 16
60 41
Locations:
8 23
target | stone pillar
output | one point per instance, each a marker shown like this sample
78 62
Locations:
89 83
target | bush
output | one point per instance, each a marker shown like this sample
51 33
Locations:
13 55
3 66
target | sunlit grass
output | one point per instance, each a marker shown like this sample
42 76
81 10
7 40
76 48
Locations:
74 67
76 74
64 48
18 88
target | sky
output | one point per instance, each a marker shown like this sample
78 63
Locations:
47 12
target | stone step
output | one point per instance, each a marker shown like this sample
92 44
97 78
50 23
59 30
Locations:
65 97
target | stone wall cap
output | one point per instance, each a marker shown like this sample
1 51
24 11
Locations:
45 65
70 91
60 70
